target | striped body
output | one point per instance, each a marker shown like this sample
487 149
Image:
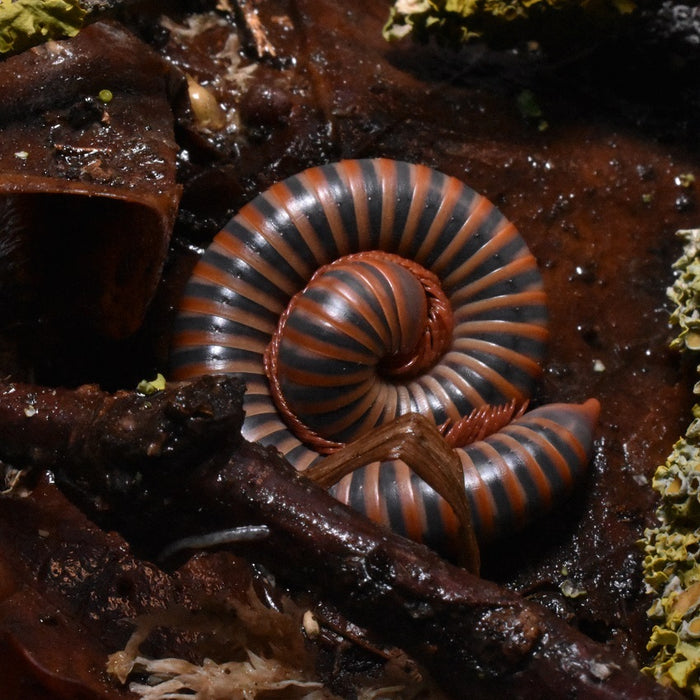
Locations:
510 477
344 359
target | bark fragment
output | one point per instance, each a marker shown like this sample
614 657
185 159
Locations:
87 166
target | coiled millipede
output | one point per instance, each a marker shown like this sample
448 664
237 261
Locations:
356 292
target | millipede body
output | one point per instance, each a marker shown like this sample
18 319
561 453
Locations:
356 292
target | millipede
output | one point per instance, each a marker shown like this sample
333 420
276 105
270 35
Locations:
356 292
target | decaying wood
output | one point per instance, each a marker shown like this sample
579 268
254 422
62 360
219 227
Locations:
246 13
50 427
477 638
93 192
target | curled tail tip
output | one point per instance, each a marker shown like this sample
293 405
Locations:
577 418
588 411
591 409
585 414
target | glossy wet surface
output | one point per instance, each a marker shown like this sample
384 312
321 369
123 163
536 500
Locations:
596 185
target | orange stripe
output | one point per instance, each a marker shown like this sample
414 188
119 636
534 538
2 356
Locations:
316 182
524 362
228 244
481 208
213 275
372 496
187 338
530 432
420 179
387 175
501 238
350 173
517 499
254 220
526 299
452 191
544 488
289 203
524 265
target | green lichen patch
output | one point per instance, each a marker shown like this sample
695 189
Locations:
685 293
672 569
148 387
672 549
457 22
25 23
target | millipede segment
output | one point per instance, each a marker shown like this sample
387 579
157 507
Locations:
355 292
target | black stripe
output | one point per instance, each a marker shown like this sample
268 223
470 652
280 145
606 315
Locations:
508 250
563 446
345 203
326 330
229 298
279 220
299 452
238 268
549 468
434 535
429 207
480 236
403 201
535 312
488 392
356 315
516 376
490 474
460 213
518 463
392 497
373 192
356 491
229 333
436 406
313 211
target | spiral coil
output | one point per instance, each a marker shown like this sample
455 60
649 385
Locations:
318 293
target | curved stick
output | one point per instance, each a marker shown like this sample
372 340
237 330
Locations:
415 440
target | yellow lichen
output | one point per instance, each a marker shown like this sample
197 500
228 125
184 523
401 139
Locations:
148 387
459 21
672 549
24 23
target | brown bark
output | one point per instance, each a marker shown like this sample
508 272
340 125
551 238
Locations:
477 638
89 175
